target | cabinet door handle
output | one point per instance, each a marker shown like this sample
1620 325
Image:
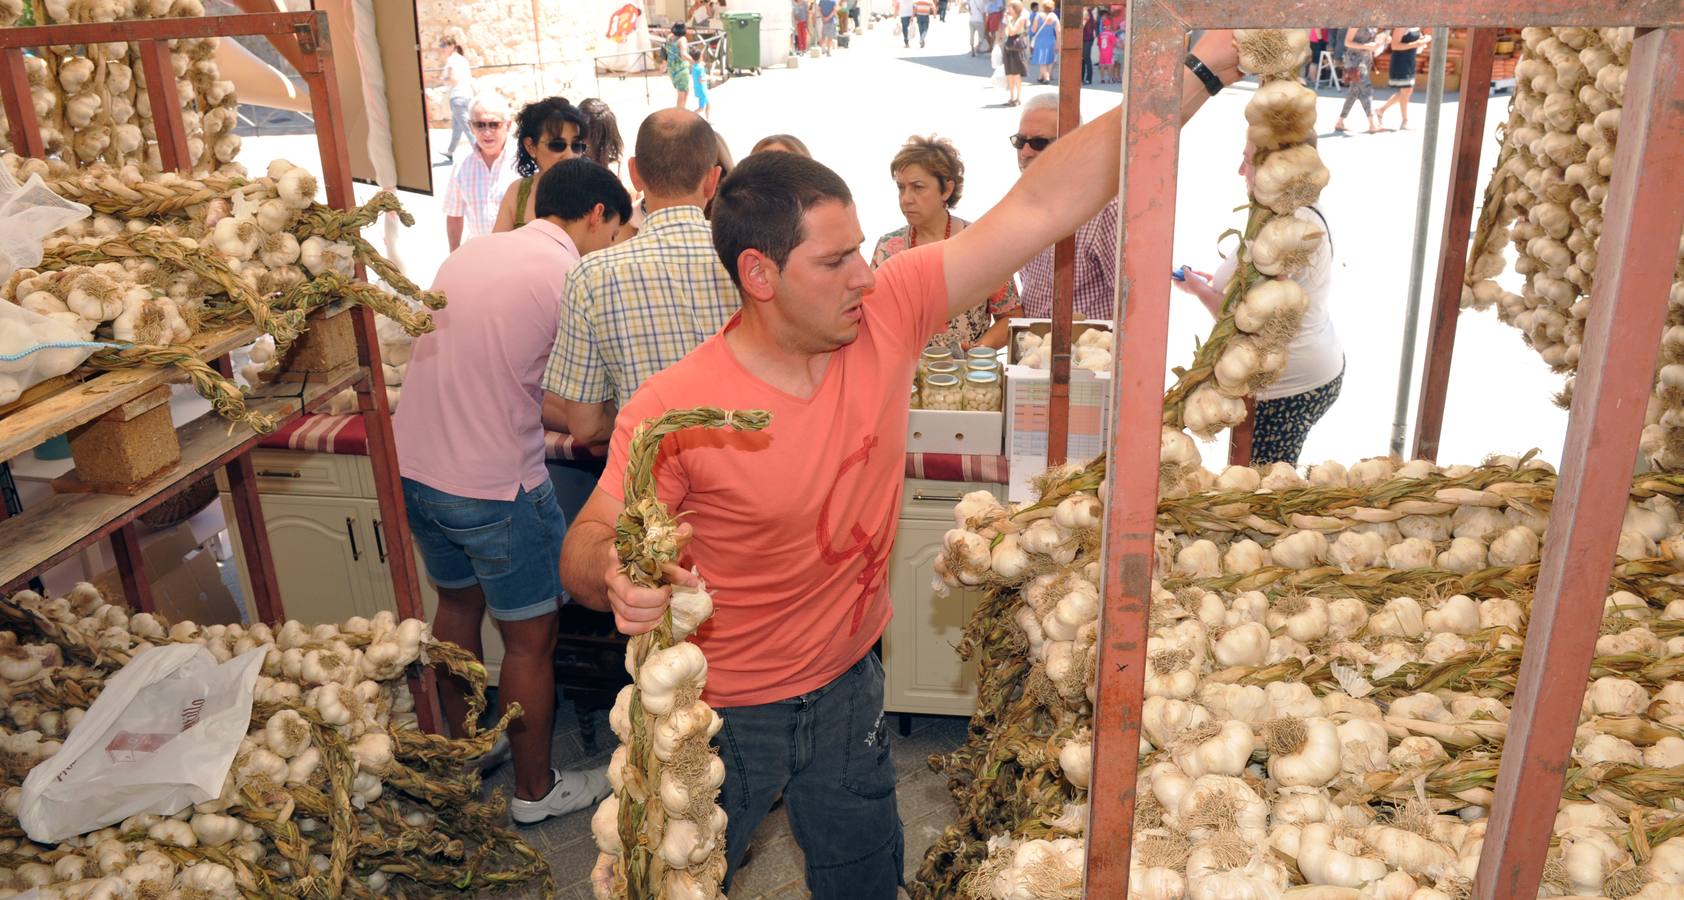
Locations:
351 533
271 473
379 541
944 498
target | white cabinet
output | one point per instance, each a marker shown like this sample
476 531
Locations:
924 673
328 542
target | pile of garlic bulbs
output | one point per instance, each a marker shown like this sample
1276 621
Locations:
1091 351
1261 311
1546 198
91 102
1326 699
333 791
165 256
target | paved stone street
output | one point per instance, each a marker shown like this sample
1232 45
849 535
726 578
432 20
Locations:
853 110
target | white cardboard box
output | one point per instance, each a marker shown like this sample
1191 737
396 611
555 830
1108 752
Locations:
954 431
1027 394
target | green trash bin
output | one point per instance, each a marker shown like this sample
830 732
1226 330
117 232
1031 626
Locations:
742 42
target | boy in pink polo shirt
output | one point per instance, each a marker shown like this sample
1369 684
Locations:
471 450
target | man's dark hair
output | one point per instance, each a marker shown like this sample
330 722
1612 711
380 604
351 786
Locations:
675 153
760 207
573 187
602 132
539 120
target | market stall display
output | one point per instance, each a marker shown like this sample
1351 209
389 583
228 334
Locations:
334 792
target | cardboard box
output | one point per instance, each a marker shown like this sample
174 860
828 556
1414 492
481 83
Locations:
954 431
1028 392
186 583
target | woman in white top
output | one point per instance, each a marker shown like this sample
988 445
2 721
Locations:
1315 360
460 76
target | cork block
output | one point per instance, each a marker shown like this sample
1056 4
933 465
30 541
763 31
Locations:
128 445
330 344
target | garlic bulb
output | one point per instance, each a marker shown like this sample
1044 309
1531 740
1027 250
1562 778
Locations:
1289 178
1281 112
1269 52
1285 244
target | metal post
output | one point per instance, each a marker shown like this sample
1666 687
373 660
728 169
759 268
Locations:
1064 252
1460 196
1146 226
1641 223
1418 255
20 111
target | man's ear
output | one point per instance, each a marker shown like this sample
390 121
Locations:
631 169
758 274
710 184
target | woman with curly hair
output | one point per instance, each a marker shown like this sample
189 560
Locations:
547 132
930 177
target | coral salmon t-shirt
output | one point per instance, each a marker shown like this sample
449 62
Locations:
794 525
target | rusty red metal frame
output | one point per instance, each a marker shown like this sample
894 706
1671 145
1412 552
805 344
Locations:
303 39
1461 194
1064 252
1639 243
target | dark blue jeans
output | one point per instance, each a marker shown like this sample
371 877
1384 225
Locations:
827 753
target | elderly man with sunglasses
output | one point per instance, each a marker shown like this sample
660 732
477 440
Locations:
479 180
1096 240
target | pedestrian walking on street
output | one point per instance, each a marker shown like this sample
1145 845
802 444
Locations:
923 9
905 10
827 20
996 13
941 10
798 18
1044 35
684 67
479 180
1090 31
1406 43
1361 46
1014 53
979 29
1106 41
460 76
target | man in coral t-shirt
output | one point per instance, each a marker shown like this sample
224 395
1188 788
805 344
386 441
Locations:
793 526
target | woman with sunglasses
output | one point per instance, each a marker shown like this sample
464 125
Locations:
547 132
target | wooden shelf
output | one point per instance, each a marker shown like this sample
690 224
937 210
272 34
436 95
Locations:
81 403
46 534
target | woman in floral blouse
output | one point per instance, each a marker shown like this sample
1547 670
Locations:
930 177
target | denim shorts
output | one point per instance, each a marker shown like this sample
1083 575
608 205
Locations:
510 548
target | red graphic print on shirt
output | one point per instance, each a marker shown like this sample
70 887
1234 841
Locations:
872 547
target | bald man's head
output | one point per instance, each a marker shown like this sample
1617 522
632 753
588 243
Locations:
675 152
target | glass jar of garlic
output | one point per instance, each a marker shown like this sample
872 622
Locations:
931 356
947 367
942 391
981 392
982 365
987 354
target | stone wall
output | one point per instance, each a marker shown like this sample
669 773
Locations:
521 49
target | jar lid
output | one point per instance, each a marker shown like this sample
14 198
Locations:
942 381
981 365
944 367
983 378
935 353
987 353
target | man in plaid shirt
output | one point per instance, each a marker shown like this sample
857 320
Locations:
479 180
1096 240
632 310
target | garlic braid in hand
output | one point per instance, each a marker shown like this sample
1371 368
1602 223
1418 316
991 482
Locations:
1262 309
661 834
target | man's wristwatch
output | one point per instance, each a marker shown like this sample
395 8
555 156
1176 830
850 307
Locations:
1212 83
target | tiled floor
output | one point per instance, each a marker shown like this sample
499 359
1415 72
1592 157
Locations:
775 868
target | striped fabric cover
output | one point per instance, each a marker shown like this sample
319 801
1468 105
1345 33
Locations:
958 467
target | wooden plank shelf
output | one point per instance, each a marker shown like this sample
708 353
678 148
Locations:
46 534
84 401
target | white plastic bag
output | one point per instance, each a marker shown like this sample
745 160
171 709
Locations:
160 738
28 214
34 348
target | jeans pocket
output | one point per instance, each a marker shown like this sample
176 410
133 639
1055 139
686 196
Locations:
868 770
488 546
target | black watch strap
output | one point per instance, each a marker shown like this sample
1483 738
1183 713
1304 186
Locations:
1212 83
